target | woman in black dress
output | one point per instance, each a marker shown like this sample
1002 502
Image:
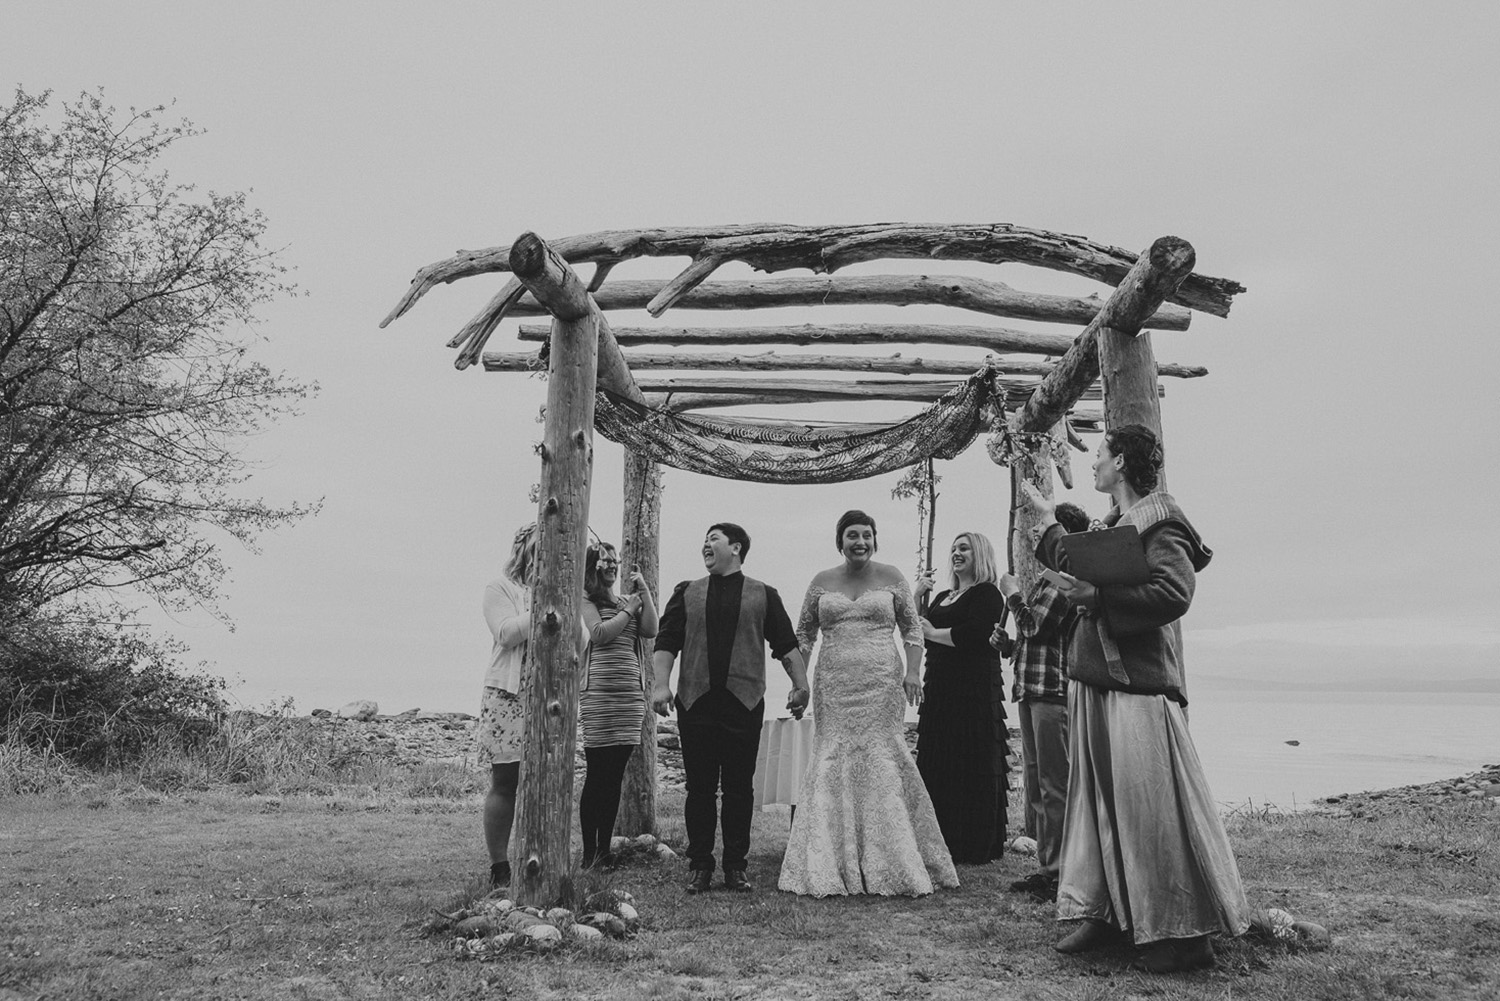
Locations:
960 742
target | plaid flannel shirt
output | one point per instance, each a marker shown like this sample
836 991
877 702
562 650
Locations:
1038 658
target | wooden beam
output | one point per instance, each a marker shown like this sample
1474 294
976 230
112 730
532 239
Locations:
958 291
539 266
541 834
496 361
825 249
1017 391
1157 272
997 340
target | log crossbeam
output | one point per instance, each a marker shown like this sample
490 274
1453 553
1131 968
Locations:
1017 391
956 291
823 250
1157 272
497 361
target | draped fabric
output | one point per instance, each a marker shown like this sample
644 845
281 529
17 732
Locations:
771 451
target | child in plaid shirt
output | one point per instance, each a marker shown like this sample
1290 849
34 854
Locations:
1040 694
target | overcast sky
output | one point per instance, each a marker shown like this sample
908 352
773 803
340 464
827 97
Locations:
1340 161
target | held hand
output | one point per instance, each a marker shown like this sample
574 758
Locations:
913 687
1032 498
927 629
1008 584
1079 592
661 700
633 604
924 583
796 702
999 638
637 582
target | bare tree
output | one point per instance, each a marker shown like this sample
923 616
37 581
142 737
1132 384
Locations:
126 389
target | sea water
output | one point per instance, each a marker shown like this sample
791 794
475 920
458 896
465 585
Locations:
1345 741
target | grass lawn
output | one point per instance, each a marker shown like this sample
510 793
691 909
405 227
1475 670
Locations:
115 894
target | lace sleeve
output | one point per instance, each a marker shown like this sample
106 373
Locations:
807 622
906 614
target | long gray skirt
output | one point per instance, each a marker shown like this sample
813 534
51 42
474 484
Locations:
1143 847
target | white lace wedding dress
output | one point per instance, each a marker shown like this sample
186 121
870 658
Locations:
864 821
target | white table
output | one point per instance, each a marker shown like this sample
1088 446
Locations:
785 747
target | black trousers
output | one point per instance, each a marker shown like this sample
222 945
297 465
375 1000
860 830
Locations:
720 738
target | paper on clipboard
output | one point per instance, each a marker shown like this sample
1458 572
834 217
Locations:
1108 556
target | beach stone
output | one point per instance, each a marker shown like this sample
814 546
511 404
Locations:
322 713
1313 936
1023 846
618 843
360 709
520 920
559 916
479 926
646 841
627 913
585 933
407 716
542 933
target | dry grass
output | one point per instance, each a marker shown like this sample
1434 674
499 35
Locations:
120 893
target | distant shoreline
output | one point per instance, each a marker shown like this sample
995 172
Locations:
1394 686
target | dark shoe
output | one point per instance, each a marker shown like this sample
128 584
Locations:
1046 893
1090 934
500 873
702 881
734 879
1175 955
1038 884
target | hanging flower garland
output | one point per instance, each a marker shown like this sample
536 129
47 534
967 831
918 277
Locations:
1005 444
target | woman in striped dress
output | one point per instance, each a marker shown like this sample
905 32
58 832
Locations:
613 702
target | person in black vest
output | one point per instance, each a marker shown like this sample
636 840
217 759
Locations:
721 625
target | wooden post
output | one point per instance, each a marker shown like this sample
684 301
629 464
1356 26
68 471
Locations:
1128 366
540 851
1036 468
640 544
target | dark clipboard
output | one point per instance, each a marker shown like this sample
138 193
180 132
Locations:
1107 556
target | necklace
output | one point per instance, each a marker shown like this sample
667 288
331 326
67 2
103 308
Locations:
955 595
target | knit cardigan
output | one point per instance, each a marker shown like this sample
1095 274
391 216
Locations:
1131 641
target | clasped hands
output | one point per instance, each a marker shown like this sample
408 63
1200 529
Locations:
796 701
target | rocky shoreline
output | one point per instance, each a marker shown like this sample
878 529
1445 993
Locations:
416 737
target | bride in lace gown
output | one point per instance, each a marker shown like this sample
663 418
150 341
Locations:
864 822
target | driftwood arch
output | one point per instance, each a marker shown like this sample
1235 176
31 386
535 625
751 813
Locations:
1110 360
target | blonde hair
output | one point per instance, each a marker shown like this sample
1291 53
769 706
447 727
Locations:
984 558
522 563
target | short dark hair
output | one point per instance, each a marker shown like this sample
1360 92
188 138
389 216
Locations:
854 517
734 533
1072 517
1141 449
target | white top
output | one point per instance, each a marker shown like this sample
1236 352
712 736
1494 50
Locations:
507 610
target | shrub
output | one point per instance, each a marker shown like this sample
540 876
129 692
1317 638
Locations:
99 694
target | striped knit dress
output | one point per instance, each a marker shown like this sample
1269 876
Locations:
613 701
